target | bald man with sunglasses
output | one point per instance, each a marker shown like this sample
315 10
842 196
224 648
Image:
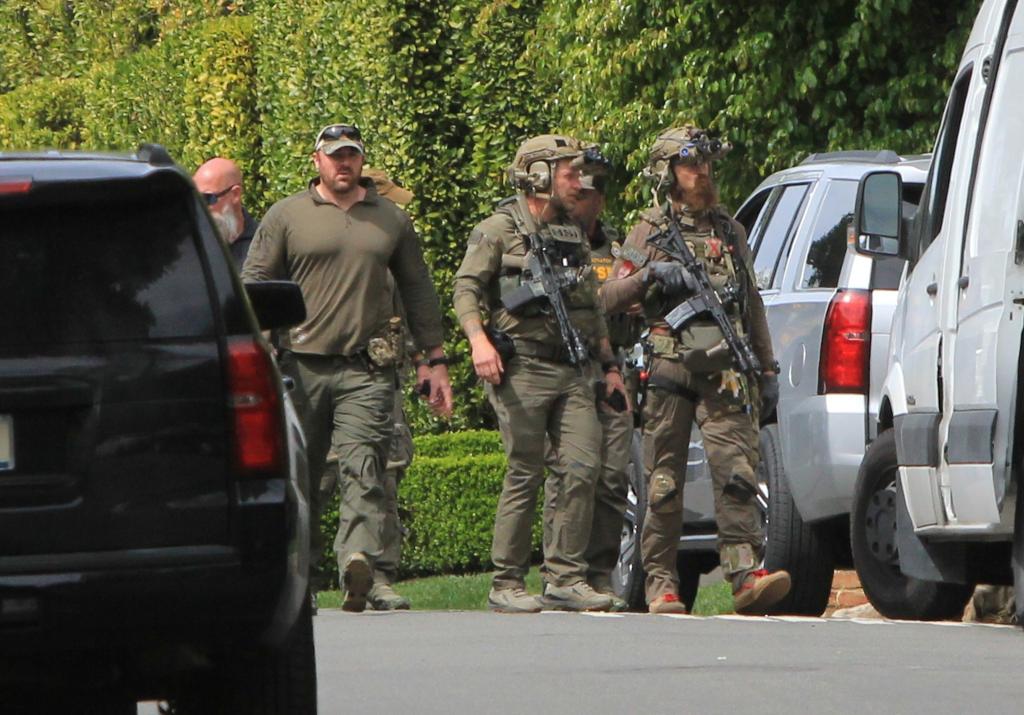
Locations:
338 239
219 182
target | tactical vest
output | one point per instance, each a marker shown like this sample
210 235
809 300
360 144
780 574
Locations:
623 329
725 270
573 257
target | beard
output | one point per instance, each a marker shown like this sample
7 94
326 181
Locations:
703 195
227 225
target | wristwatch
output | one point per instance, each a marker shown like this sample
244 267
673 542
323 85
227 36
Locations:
435 361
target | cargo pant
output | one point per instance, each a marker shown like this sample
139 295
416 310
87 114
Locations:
400 452
719 402
344 404
610 495
539 399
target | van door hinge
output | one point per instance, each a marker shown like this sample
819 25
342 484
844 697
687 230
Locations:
986 68
1018 253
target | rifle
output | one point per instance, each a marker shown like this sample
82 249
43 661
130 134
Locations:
706 301
547 282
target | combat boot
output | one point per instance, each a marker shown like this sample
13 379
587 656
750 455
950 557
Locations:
603 585
667 603
356 579
577 597
759 591
512 600
384 598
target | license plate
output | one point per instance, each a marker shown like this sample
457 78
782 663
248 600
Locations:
6 443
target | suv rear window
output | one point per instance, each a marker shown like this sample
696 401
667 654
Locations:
102 271
828 237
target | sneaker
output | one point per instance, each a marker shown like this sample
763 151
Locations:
667 603
760 591
384 598
512 600
578 597
356 579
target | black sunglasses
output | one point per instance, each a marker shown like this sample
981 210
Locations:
337 131
211 199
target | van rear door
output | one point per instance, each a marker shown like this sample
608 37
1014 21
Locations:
983 350
111 382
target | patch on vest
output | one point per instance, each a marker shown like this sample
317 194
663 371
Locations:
602 266
567 234
630 254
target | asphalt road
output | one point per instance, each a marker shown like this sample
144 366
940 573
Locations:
428 662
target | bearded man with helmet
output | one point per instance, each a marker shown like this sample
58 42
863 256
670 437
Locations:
534 356
693 375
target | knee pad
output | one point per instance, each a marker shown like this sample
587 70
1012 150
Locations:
664 497
739 489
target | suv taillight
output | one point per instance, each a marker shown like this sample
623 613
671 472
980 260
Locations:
846 343
256 407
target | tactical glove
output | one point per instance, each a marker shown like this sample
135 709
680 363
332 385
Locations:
769 394
672 276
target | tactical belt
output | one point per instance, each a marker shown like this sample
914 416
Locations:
552 353
660 382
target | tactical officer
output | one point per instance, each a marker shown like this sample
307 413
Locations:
616 424
532 383
338 240
692 373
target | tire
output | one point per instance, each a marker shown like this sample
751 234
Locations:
260 681
628 575
803 550
875 556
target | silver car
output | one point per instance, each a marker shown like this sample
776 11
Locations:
829 311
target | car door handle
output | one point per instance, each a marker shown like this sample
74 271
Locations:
932 288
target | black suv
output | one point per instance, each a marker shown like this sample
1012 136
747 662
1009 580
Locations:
154 529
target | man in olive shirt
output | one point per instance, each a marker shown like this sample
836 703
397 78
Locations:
535 391
338 240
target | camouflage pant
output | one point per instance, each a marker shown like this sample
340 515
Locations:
731 445
610 496
348 407
541 399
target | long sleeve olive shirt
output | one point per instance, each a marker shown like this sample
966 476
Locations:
340 260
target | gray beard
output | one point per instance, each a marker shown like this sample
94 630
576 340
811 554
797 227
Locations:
227 226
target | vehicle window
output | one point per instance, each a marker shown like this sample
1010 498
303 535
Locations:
101 272
929 217
752 212
786 204
827 249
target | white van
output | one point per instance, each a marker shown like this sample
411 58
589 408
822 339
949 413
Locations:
937 492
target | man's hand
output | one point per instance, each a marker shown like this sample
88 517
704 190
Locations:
672 275
769 393
441 400
423 379
486 360
613 383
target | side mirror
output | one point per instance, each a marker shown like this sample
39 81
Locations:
878 216
277 304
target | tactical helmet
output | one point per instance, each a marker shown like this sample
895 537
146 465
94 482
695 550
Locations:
688 144
532 167
594 168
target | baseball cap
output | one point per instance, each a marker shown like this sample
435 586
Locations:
388 188
338 136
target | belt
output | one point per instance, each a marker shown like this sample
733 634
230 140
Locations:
551 353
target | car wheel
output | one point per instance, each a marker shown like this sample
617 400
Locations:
259 681
801 549
875 555
628 574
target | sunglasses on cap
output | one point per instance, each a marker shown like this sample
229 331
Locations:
336 131
212 198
